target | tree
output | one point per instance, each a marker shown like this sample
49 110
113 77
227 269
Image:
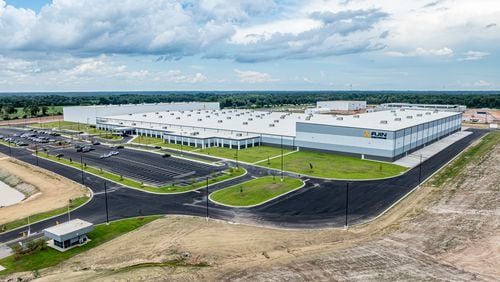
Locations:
44 110
34 109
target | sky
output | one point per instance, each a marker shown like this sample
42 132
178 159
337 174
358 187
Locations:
130 45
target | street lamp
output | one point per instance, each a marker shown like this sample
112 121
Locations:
420 171
36 154
346 204
206 189
106 202
81 164
281 157
69 210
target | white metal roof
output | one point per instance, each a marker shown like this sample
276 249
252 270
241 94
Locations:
68 227
275 123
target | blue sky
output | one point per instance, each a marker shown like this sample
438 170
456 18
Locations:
87 45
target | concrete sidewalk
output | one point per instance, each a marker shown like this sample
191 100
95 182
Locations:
413 159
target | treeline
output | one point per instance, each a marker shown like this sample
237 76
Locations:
250 100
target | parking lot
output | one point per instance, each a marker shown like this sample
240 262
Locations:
30 138
149 168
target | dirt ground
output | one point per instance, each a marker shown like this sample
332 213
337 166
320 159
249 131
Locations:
54 191
450 233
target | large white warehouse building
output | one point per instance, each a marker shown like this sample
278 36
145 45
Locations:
88 114
384 135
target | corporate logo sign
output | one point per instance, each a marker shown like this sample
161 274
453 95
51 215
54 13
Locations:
375 134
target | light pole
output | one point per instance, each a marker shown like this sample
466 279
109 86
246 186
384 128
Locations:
69 210
420 171
346 203
106 202
36 154
81 164
10 148
236 157
182 142
281 157
206 189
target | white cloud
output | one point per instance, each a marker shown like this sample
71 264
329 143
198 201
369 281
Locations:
250 76
421 52
473 56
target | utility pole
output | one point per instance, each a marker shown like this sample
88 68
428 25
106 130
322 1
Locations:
10 148
236 157
346 203
29 226
36 154
81 164
69 211
106 202
420 171
281 157
206 188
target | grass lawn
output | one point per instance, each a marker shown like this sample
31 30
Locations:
7 143
255 191
249 155
41 216
334 166
473 153
49 257
229 173
146 140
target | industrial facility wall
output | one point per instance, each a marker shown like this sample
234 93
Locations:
374 144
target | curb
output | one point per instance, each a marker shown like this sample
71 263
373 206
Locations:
255 205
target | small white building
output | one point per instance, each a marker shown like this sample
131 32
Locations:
66 235
342 105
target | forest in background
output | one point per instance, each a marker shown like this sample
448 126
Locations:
20 105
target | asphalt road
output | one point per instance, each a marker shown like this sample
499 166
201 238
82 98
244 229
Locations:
321 203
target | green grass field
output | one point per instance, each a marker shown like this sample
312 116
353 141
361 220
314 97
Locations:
473 153
334 166
146 140
229 173
102 233
255 191
75 203
249 155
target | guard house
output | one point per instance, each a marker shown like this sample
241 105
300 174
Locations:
68 234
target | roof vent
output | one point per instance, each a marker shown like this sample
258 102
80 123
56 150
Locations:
402 110
239 134
189 115
419 115
250 118
245 123
276 120
200 119
271 125
435 111
157 113
219 121
340 118
427 113
383 122
207 116
393 111
397 119
129 114
409 117
160 116
171 114
228 117
178 118
165 127
355 116
144 115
